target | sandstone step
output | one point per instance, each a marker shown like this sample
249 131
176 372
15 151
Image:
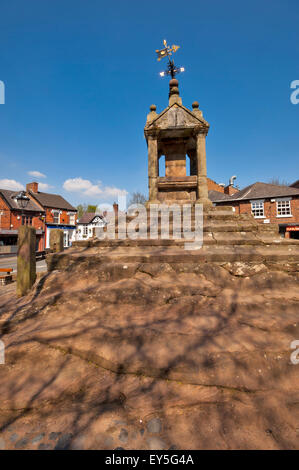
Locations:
207 216
219 238
212 253
210 227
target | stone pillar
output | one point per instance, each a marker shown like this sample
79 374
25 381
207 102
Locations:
153 170
26 264
202 184
56 240
175 159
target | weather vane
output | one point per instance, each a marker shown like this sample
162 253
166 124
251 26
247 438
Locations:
167 51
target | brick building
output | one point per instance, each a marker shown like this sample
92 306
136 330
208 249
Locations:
44 212
12 216
269 203
58 213
227 190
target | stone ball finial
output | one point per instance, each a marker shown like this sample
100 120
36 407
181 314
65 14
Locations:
153 107
174 90
195 105
173 83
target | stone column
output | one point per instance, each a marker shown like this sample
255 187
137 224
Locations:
56 240
175 159
153 169
26 264
202 184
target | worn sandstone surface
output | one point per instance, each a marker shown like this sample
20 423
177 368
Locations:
152 356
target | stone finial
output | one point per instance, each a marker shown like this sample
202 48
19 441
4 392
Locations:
174 94
152 114
196 111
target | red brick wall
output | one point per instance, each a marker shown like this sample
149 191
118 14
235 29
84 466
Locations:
11 218
64 218
213 186
270 210
5 219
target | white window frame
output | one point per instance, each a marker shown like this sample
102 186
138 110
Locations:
55 213
85 230
66 239
72 217
289 206
258 202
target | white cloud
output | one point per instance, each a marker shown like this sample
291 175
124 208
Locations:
13 185
36 174
87 188
44 186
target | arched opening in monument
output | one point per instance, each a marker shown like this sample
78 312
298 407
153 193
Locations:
188 166
162 165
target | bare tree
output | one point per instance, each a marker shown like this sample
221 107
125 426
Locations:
137 198
279 182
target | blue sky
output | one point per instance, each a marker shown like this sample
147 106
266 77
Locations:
80 76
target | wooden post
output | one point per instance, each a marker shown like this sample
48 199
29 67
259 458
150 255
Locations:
26 264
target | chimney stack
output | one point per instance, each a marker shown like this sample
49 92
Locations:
115 208
33 187
230 190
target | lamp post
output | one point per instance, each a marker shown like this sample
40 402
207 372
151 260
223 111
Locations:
23 201
26 271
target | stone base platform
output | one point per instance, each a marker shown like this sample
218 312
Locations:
227 238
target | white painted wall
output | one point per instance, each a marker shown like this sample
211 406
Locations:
79 234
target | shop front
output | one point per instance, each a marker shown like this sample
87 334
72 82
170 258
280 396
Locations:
292 231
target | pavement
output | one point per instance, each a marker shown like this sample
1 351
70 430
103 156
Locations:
11 262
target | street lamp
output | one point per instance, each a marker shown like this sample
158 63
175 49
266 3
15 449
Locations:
23 201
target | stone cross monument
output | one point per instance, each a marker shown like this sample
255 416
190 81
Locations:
177 133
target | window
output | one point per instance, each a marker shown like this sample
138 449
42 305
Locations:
72 219
257 209
26 220
65 239
85 230
56 217
283 208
